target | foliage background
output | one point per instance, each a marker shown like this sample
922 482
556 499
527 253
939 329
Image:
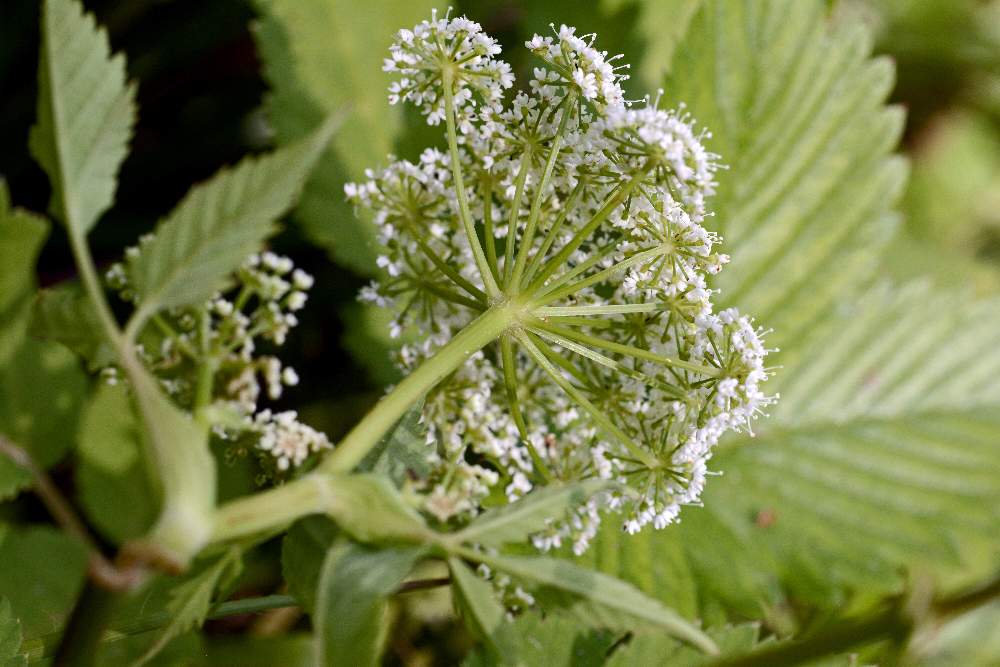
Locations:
203 87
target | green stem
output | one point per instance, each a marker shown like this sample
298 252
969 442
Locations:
92 285
483 330
619 309
488 232
585 232
510 381
515 211
524 245
629 350
599 417
206 367
550 237
271 509
463 204
552 293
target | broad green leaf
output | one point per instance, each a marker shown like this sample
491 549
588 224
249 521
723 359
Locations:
882 451
484 616
112 478
650 649
42 574
219 223
303 551
351 601
85 114
10 637
796 110
661 24
595 598
733 641
553 640
41 393
320 57
402 451
65 315
291 650
518 521
21 237
191 599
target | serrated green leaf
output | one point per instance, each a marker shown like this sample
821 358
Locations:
595 598
891 416
303 551
796 110
311 75
219 223
402 451
518 521
42 574
484 616
191 599
650 649
881 452
351 601
10 637
661 24
112 478
85 114
65 315
553 640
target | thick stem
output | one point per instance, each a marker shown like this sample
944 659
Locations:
271 509
483 330
463 204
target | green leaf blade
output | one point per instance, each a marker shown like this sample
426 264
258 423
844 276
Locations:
86 111
483 614
596 597
10 637
191 600
311 75
220 223
518 521
351 601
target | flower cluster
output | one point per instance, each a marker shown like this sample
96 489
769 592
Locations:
590 214
445 52
224 334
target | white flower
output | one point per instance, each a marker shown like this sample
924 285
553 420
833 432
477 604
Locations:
580 202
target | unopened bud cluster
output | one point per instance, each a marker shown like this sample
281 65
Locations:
591 212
